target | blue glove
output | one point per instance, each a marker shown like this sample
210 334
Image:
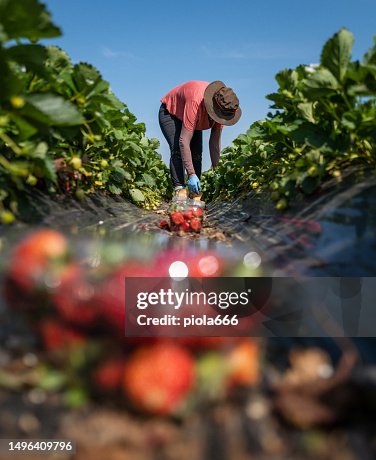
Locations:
194 184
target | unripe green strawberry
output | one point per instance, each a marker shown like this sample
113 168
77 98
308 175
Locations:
81 101
274 196
7 217
17 102
76 163
313 171
80 194
281 205
31 180
4 120
104 164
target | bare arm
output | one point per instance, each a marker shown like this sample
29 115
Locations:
215 145
185 150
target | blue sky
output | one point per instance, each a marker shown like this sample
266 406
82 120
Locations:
145 48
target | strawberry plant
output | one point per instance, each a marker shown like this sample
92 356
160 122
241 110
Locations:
61 127
323 119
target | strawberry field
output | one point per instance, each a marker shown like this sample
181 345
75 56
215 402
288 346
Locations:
85 204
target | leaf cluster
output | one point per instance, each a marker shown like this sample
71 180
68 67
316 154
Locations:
323 118
62 129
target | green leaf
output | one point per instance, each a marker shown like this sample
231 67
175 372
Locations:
336 53
118 175
26 130
10 81
154 143
370 56
76 397
58 60
52 110
51 379
40 151
321 83
287 79
108 101
33 57
47 166
134 161
115 189
87 77
306 110
309 184
136 195
26 19
280 100
309 134
135 147
148 180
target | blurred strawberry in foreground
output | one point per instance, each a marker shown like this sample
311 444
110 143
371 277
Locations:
206 343
108 376
32 259
243 363
111 293
58 336
74 297
159 378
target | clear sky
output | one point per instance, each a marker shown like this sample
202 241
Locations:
145 48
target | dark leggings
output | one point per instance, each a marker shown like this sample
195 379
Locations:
171 129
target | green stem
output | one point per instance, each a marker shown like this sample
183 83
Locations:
332 112
10 142
347 102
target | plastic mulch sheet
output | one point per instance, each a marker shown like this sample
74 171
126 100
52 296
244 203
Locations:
333 234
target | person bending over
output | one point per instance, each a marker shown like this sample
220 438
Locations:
185 112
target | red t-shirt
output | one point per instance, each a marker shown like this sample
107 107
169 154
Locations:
186 102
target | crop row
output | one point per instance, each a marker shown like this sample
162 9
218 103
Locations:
62 129
323 119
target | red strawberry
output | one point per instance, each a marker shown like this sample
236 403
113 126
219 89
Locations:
74 298
108 375
111 293
187 215
185 227
164 224
244 363
196 225
56 336
31 258
206 343
177 218
157 379
197 212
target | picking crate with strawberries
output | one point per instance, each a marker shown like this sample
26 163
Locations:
186 215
